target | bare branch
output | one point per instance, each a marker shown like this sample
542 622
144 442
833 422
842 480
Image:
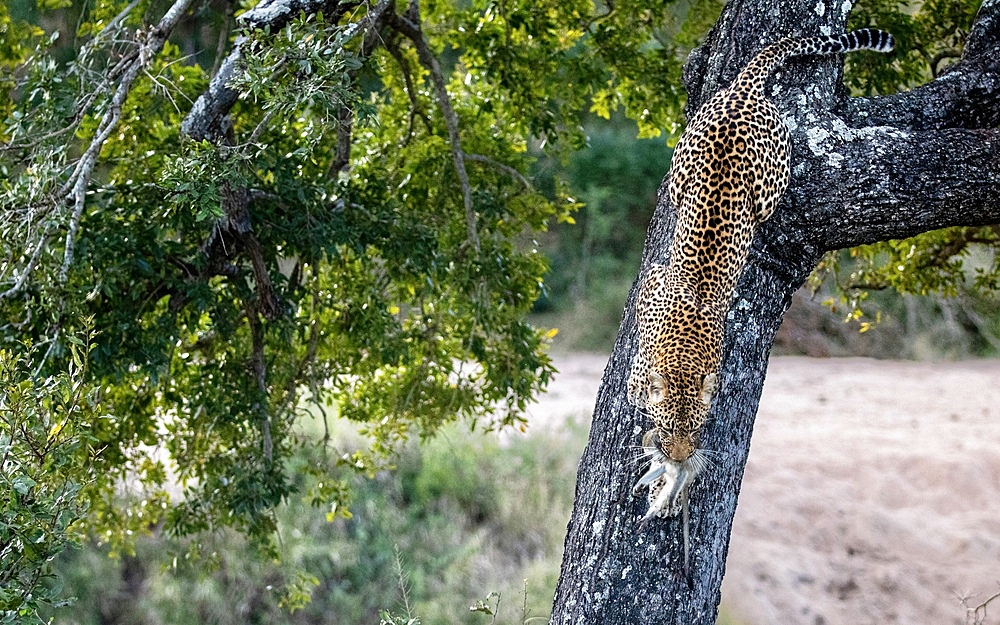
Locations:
507 169
220 46
944 55
857 186
415 109
967 95
976 615
23 278
963 97
80 179
260 377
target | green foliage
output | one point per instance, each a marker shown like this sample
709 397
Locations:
933 296
44 438
239 280
15 37
929 35
319 254
554 58
617 178
593 259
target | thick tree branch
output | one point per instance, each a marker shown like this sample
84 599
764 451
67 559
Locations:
984 37
886 168
967 95
851 187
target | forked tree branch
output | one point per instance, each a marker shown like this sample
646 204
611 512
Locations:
856 178
75 187
967 95
206 119
507 169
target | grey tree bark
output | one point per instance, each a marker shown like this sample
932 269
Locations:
863 170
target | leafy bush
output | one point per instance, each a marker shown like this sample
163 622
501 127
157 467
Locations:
461 516
43 432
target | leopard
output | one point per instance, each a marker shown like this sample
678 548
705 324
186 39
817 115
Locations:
730 168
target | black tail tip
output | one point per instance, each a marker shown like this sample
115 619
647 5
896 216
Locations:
871 39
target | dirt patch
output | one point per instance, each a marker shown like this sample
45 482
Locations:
872 492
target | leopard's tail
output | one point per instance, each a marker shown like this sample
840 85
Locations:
753 77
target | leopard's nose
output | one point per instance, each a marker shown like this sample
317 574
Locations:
680 451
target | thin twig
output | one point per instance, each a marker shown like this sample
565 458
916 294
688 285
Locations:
220 47
411 92
23 278
260 376
411 30
401 577
977 615
507 169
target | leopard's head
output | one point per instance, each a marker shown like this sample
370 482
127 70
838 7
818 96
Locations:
678 406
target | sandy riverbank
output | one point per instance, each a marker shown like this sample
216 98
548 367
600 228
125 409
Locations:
872 493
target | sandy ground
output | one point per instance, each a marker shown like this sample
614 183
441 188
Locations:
872 493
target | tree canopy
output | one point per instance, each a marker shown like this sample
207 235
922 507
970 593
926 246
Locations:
245 214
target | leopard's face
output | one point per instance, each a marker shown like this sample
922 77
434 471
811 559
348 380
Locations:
678 405
673 377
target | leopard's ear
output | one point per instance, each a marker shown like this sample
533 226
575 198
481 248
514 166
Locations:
657 388
708 386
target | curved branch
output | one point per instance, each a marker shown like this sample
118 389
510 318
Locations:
77 184
412 31
507 169
22 279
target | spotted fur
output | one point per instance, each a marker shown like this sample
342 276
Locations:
729 170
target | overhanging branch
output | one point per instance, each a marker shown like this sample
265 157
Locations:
874 184
150 45
206 120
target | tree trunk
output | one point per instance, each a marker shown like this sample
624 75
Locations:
863 170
